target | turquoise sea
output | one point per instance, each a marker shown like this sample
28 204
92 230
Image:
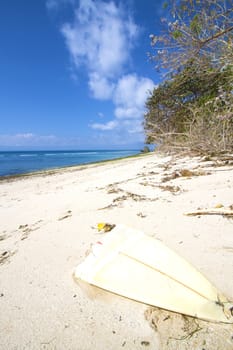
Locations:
20 162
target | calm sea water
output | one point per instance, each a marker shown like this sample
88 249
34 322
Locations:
13 163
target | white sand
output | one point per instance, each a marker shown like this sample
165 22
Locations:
48 222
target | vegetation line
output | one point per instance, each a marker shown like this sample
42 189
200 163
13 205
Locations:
193 107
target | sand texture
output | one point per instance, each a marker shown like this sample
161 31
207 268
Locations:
49 221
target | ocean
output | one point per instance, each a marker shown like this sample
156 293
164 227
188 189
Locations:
21 162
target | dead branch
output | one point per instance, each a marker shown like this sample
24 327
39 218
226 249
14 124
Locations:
214 211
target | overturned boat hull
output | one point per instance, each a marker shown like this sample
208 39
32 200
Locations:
129 263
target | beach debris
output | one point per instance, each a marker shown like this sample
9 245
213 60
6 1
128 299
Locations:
4 256
34 226
145 343
130 263
170 188
219 160
184 173
147 183
128 195
110 206
166 165
229 249
113 189
65 216
219 205
141 215
23 227
214 211
26 229
135 197
2 237
105 227
177 331
206 158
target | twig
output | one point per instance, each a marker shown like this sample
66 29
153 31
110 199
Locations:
224 212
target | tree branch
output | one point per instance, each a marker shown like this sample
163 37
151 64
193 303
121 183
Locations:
213 37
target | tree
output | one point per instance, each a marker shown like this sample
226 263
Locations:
199 30
193 107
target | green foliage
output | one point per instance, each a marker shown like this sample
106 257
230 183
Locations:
145 149
177 34
193 107
195 26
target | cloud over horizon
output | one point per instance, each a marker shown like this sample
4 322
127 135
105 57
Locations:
26 139
49 141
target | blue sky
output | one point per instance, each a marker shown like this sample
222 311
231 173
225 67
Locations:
75 74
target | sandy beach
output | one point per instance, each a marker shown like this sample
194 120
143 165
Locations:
49 221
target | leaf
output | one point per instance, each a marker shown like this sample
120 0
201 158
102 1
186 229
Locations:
177 34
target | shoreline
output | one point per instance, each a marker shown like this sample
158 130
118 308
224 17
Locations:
48 223
52 171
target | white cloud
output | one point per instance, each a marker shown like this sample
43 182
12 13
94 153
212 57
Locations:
105 126
26 139
130 96
100 38
135 127
24 136
126 112
100 87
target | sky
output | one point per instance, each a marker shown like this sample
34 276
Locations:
75 74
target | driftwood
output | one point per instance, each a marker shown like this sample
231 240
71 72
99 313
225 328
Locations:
214 211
